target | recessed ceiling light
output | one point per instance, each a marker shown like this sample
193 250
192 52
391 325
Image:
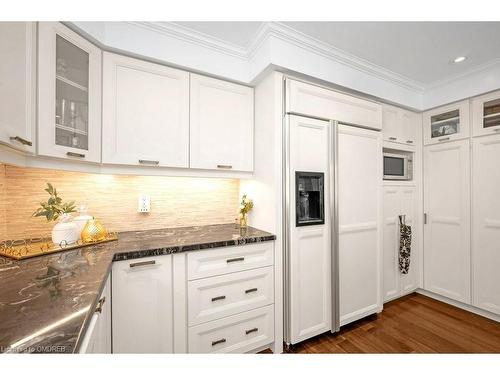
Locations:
459 59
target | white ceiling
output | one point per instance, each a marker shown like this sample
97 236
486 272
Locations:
418 51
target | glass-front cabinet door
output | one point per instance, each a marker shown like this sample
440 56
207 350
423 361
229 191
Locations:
446 123
486 114
69 97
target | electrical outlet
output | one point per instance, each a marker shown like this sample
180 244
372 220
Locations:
144 203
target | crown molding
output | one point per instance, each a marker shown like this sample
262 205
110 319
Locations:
186 34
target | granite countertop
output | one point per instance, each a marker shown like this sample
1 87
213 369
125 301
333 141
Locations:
46 302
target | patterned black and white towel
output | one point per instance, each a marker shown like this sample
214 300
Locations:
404 247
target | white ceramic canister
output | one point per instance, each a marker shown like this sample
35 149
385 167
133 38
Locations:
65 232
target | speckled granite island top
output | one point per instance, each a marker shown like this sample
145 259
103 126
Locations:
46 302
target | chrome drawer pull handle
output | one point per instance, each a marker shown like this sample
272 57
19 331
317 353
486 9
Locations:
21 140
221 341
218 298
149 162
139 264
392 138
444 139
241 259
250 290
75 154
409 141
249 331
222 166
98 309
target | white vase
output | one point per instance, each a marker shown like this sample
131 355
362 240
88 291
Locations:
65 232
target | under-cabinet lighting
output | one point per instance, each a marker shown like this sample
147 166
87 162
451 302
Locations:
459 59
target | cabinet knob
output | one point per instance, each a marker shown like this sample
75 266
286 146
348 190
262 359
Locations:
392 138
496 130
98 308
408 141
444 139
21 140
241 259
222 166
139 264
250 290
218 298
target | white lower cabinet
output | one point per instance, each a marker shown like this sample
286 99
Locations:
143 305
486 223
447 212
97 337
359 215
239 333
399 200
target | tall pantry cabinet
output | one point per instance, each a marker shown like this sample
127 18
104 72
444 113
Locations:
486 202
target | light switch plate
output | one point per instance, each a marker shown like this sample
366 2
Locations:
144 203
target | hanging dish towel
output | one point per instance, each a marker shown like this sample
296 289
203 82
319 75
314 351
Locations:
404 246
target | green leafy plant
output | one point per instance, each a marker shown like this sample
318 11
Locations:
54 207
246 205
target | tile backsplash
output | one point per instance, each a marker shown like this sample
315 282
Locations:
175 201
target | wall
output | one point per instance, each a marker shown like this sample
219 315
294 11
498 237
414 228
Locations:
175 201
3 223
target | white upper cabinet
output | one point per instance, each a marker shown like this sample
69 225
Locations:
399 125
145 113
486 223
69 94
447 123
447 231
18 85
221 125
311 100
486 114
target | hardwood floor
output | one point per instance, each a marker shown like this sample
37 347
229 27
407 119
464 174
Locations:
412 324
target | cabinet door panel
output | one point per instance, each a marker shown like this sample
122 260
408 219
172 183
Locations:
142 305
18 85
486 223
447 205
310 246
392 208
447 123
360 217
69 94
146 113
486 114
409 282
221 125
391 129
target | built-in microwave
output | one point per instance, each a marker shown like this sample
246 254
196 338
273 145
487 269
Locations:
398 166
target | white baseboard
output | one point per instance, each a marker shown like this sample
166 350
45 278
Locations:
460 305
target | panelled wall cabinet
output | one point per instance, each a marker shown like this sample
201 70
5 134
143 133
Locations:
97 339
399 125
18 85
153 115
486 223
310 100
486 114
69 94
221 125
145 113
447 220
399 200
447 123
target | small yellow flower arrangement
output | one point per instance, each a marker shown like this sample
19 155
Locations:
246 206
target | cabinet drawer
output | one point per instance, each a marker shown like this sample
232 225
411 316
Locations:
236 334
221 296
229 259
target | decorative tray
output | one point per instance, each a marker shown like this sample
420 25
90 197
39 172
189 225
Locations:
33 247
